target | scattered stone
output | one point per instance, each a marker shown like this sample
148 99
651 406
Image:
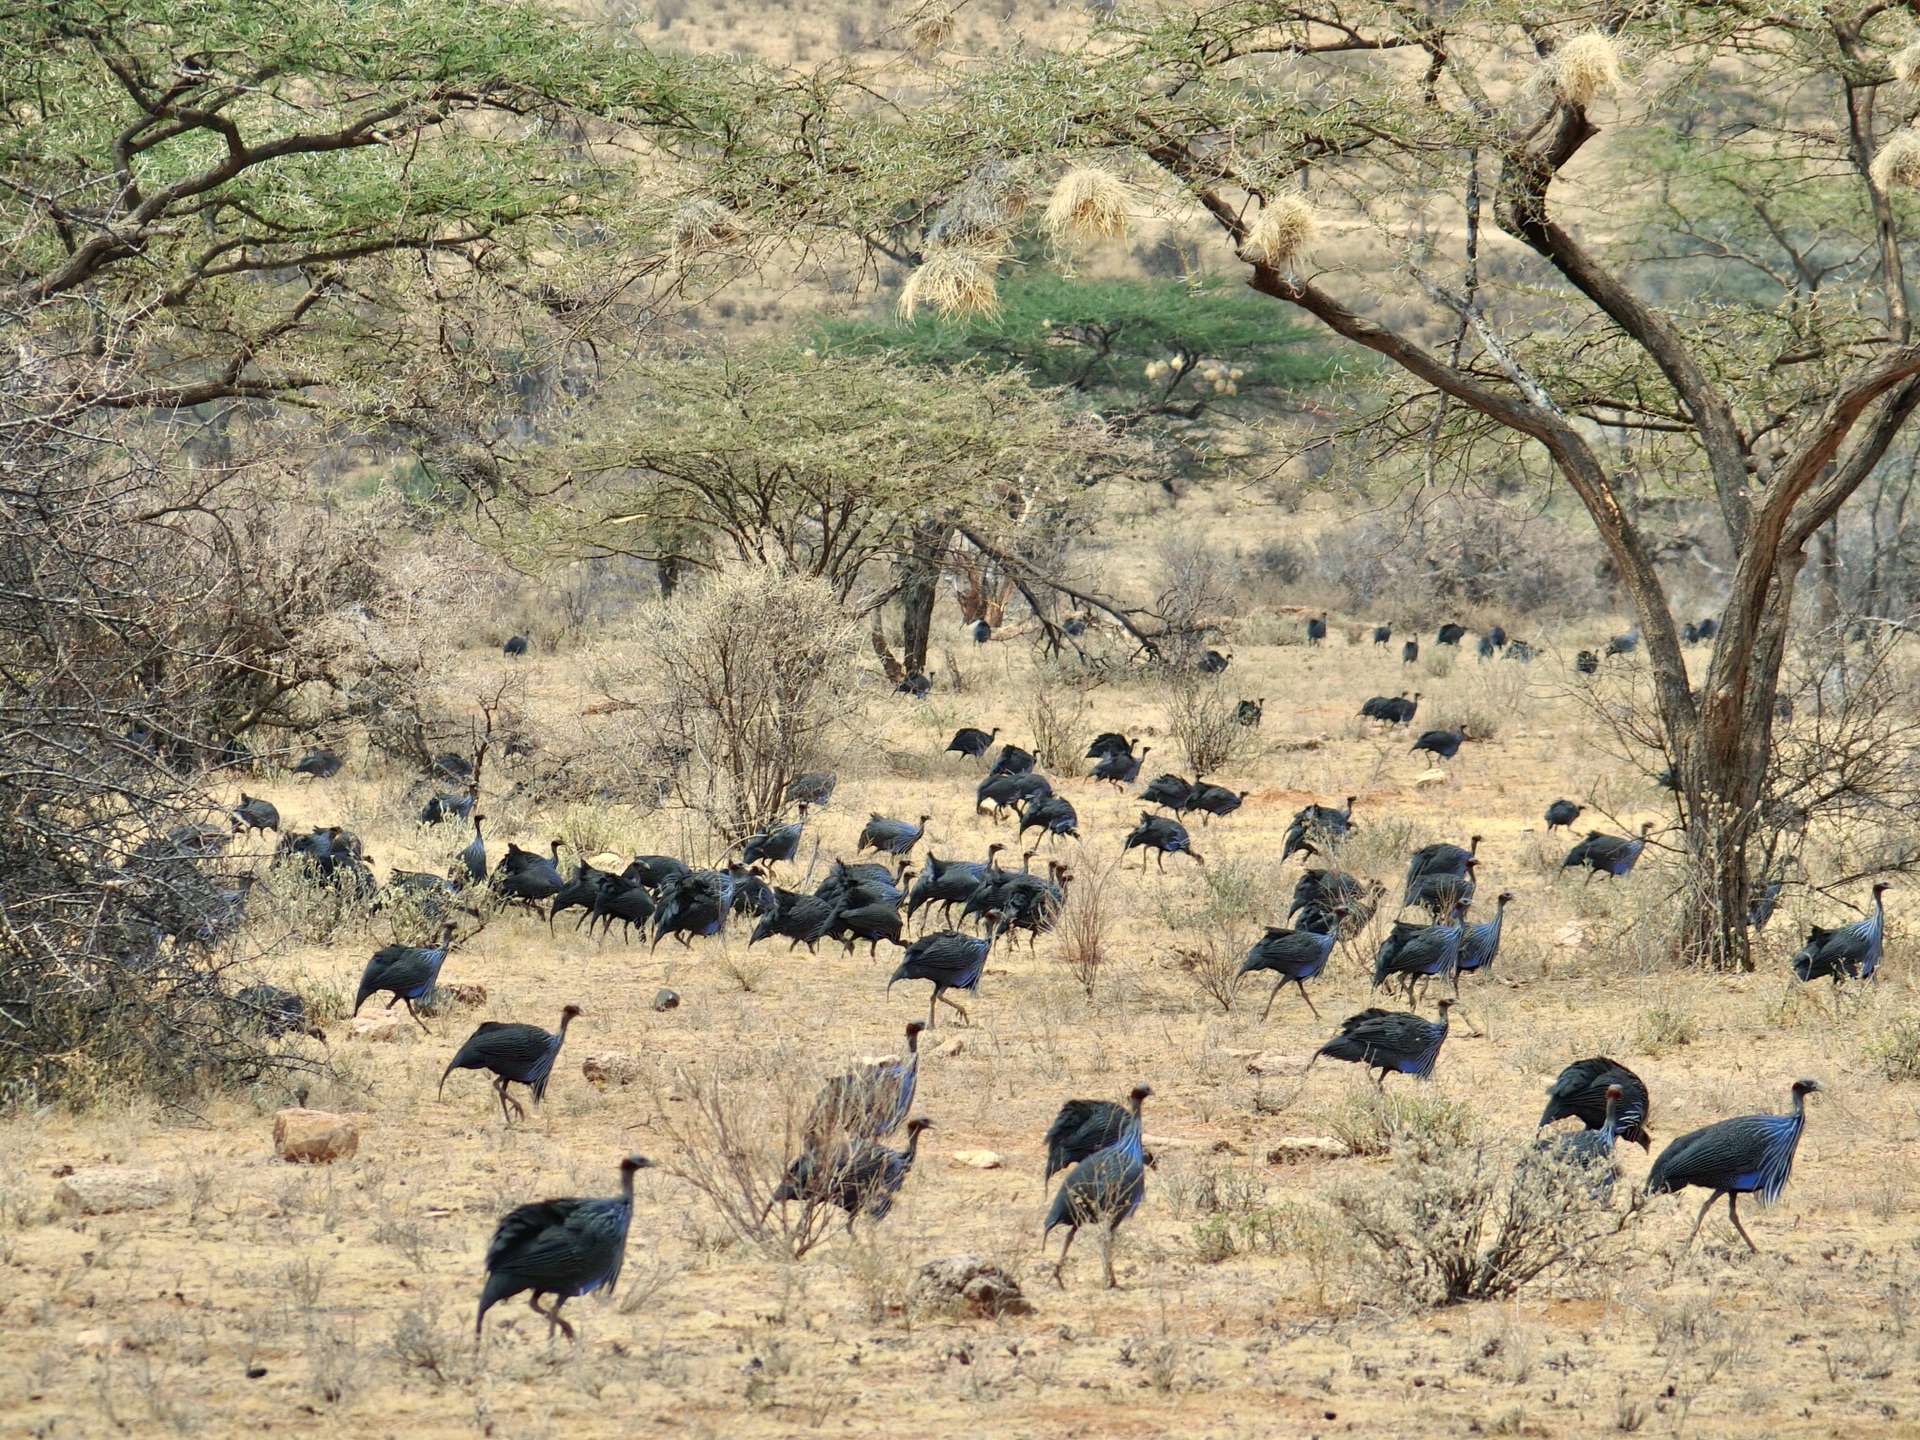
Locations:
976 1287
978 1159
950 1047
107 1189
667 1000
314 1137
1570 936
383 1029
610 1067
1302 1149
1427 778
1272 1062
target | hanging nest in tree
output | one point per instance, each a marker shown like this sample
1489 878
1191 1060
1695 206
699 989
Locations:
1898 162
956 281
1281 233
1583 67
931 26
1089 203
981 214
1906 64
702 226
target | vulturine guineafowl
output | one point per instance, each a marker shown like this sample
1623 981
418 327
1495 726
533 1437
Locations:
1294 956
1747 1155
318 765
1580 1093
814 787
1167 791
972 743
253 813
867 1103
1605 854
405 972
1480 945
862 1177
1012 760
1317 829
561 1248
1213 801
891 837
1389 1041
1162 836
1083 1128
1441 744
1413 953
1562 813
1103 1189
1849 952
514 1055
950 961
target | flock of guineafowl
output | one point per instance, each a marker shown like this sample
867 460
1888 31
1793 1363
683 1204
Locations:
570 1247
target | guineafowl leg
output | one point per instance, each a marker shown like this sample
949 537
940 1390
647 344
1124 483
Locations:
416 1016
930 1006
518 1108
500 1093
1106 1252
1161 856
1065 1246
965 1018
1308 998
1278 985
1733 1214
1701 1217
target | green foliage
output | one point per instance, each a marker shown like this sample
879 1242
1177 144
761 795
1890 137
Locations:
821 464
1098 337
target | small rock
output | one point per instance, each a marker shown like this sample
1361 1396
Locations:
97 1339
1426 778
667 1000
1272 1062
1570 936
950 1047
383 1029
977 1287
978 1159
1298 1150
105 1189
314 1137
610 1067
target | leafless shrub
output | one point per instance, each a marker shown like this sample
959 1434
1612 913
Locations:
1053 719
741 687
1202 715
1895 1049
1459 1221
421 1343
1195 601
1080 934
731 1140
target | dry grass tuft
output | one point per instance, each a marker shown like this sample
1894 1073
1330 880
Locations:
1584 67
1281 233
1906 63
1898 162
956 281
704 226
1088 204
930 27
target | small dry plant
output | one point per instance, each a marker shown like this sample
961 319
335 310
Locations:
1373 1122
1215 934
1080 934
1054 720
1203 716
1453 1221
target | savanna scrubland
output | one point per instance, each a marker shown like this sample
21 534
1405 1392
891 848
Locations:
743 363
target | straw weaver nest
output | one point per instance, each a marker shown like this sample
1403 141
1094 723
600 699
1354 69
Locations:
957 281
1280 233
1089 203
1583 67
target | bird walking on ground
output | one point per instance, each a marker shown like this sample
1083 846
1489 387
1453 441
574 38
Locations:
1168 791
1103 1189
776 844
1747 1155
1316 629
970 742
561 1248
1409 652
867 1103
253 813
515 645
1441 744
1084 1128
1591 1150
514 1055
1562 813
1109 742
1480 944
1214 801
891 837
1382 634
1849 952
949 961
1295 956
814 787
1164 837
1012 760
1580 1092
1389 1041
1121 768
472 861
862 1177
318 765
1250 712
406 972
1605 854
1413 953
1317 828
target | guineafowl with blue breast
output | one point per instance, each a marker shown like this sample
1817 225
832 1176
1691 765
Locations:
1103 1189
561 1248
1747 1155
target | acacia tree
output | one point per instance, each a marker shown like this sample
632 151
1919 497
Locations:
1692 284
860 471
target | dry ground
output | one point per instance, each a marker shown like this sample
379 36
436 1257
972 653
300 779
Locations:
346 1292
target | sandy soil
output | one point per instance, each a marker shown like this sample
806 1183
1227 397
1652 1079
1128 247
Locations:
339 1299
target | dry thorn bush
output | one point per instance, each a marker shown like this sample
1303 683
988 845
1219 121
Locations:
1450 1221
1080 934
1202 716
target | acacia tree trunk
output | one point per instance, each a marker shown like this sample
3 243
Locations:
917 594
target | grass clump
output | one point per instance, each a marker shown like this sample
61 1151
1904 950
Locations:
1372 1122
